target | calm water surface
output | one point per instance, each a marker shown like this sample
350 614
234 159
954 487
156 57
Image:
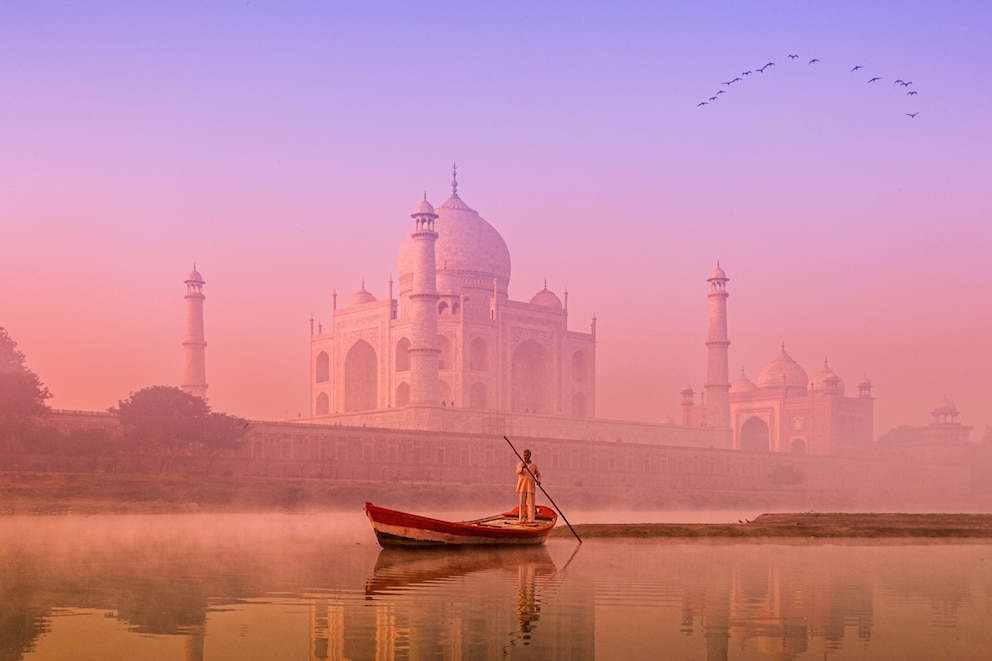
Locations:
317 586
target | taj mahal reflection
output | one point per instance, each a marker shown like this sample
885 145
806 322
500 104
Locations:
289 591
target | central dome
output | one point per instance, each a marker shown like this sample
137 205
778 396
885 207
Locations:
783 371
467 247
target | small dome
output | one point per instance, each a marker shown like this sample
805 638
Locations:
424 207
718 273
742 384
546 298
194 276
666 420
826 380
945 406
361 297
864 382
783 371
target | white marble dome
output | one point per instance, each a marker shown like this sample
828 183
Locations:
467 246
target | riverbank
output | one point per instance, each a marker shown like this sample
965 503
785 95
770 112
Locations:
805 525
29 493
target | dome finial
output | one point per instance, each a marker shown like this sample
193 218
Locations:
454 179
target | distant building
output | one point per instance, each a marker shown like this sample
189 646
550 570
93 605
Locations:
785 411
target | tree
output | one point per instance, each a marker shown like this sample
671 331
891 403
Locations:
168 419
22 395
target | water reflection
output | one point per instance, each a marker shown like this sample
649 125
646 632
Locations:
319 588
399 571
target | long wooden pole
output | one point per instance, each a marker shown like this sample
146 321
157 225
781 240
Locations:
546 494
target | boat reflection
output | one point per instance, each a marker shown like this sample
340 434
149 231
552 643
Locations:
401 571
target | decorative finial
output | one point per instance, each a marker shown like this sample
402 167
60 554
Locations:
454 179
545 283
425 196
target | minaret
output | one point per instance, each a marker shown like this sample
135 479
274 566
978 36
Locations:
717 387
194 346
424 351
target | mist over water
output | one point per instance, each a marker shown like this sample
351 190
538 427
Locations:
262 586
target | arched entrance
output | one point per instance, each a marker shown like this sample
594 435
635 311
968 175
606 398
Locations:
530 379
754 435
360 386
403 394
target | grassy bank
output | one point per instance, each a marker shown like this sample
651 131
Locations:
818 525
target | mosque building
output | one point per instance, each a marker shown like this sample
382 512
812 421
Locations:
785 411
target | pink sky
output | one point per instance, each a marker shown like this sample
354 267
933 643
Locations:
282 148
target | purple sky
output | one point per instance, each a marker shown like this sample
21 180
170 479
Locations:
282 146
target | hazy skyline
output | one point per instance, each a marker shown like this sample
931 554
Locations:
282 148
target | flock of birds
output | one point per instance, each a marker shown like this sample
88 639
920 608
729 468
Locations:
794 57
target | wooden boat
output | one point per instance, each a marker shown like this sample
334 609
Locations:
395 528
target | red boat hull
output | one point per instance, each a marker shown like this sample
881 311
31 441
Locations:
395 528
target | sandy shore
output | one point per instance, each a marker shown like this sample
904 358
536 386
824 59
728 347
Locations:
805 525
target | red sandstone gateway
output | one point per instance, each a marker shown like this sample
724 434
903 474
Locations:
395 528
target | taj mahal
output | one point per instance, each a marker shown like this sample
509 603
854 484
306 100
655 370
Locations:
450 351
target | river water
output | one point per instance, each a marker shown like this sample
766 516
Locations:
316 586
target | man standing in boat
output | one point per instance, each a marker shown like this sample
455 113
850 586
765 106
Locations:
528 478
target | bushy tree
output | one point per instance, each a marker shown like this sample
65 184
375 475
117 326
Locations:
22 395
169 419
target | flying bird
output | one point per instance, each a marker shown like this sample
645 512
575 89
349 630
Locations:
897 81
912 92
721 91
907 84
913 114
857 67
746 73
770 64
792 57
762 69
813 60
701 103
714 98
874 79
